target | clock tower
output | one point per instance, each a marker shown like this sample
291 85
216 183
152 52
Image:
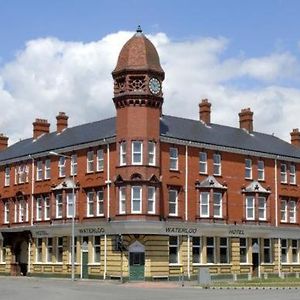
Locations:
138 99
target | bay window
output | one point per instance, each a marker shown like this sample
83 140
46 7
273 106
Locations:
204 204
151 200
151 153
136 199
137 152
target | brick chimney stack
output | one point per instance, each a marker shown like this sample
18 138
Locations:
3 141
40 126
295 137
204 111
61 122
246 119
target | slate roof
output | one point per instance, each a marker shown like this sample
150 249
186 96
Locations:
171 127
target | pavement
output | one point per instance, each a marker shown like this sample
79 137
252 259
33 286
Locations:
15 288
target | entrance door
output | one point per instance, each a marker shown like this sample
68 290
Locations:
84 260
255 257
136 265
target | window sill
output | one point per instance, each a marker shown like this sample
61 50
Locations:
175 265
94 264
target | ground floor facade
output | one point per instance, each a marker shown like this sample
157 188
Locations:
149 250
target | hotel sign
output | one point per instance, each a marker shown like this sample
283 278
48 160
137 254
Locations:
91 231
181 230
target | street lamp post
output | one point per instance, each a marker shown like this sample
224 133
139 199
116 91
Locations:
73 216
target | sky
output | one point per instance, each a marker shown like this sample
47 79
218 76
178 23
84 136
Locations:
58 56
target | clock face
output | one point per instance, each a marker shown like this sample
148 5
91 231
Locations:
154 86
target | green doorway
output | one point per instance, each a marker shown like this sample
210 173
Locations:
136 261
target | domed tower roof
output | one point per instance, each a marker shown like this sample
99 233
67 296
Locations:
138 54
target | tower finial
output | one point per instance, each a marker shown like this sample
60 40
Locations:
139 29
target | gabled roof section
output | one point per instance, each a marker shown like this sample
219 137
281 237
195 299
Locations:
72 136
66 184
210 182
255 187
220 135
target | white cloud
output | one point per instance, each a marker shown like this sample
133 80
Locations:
50 75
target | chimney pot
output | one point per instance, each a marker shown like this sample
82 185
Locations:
40 126
61 122
3 141
295 137
204 111
246 119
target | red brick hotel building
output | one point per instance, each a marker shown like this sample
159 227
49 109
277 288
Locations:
173 194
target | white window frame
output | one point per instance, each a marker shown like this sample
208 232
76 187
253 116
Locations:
204 202
6 212
217 164
151 200
269 249
7 177
58 206
173 203
283 173
246 250
212 247
71 205
62 166
175 246
39 208
151 153
96 246
47 168
248 168
123 154
283 210
49 250
248 207
59 247
292 211
285 248
135 199
260 170
90 161
74 165
137 152
262 208
23 210
173 153
39 170
197 247
39 250
202 162
295 248
100 160
225 246
293 174
122 200
90 204
47 208
218 205
100 203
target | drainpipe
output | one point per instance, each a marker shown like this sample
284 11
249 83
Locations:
186 185
276 193
188 249
276 215
108 182
105 257
31 210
